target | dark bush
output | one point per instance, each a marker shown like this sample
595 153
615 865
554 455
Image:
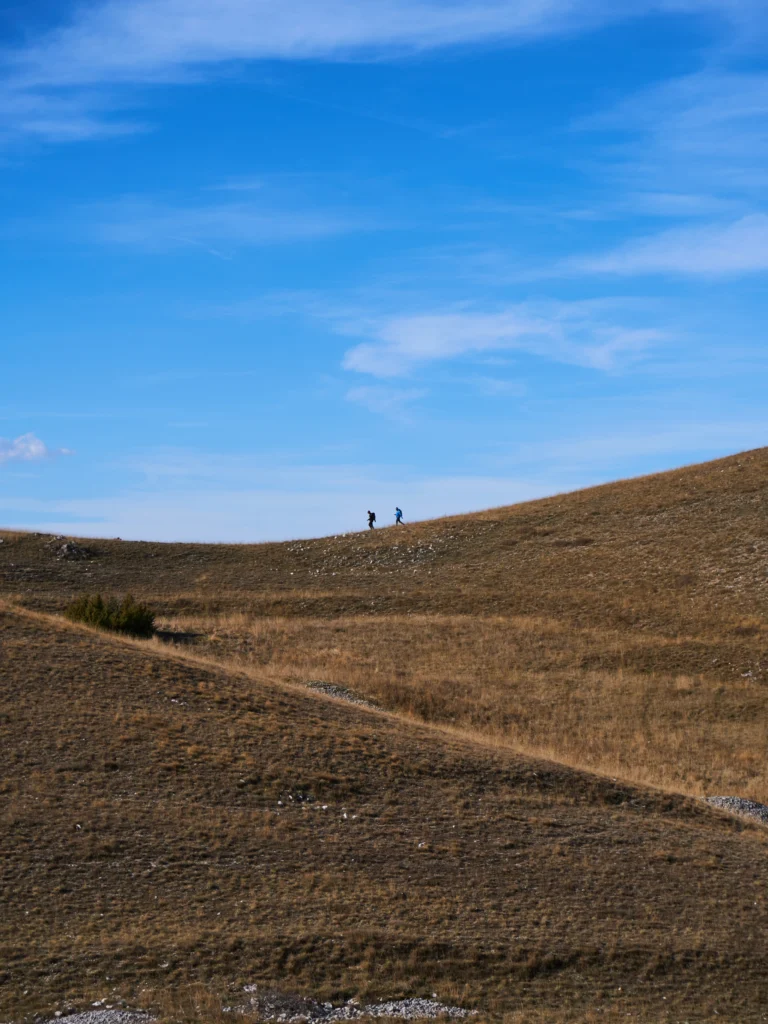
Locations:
126 616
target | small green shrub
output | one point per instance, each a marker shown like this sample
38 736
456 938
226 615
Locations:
126 616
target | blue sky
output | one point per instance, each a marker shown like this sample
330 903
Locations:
270 263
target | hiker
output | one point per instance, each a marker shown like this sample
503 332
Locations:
371 519
398 516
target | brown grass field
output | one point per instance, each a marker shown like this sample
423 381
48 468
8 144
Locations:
557 680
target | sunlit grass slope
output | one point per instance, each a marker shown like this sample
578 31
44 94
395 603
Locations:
621 628
167 824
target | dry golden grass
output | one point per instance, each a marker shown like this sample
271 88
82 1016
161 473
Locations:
154 847
620 630
664 715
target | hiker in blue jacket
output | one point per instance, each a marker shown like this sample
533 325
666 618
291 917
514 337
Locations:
398 516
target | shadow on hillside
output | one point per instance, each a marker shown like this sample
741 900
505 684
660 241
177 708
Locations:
178 637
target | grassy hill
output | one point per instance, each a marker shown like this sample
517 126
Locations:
511 830
167 824
620 629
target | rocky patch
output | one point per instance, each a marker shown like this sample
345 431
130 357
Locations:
272 1006
741 807
68 550
340 693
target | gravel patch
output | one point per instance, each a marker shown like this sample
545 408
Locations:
406 1009
738 805
297 1010
288 1010
104 1016
340 693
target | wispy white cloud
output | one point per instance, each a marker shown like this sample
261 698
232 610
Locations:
28 448
386 401
141 40
118 42
679 204
646 204
560 332
330 505
188 374
498 387
240 185
217 497
714 249
692 149
153 225
63 115
701 134
690 440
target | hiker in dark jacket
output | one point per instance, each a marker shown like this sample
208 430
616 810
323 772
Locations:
371 519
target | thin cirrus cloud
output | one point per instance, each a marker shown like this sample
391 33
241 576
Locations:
150 225
498 387
386 401
702 133
60 118
691 147
276 513
563 332
740 247
144 40
716 437
123 42
28 448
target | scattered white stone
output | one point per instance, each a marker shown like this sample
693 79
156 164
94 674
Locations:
411 1009
297 1010
340 693
113 1016
741 807
70 550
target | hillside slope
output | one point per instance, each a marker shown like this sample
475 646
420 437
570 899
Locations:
166 822
621 628
605 553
